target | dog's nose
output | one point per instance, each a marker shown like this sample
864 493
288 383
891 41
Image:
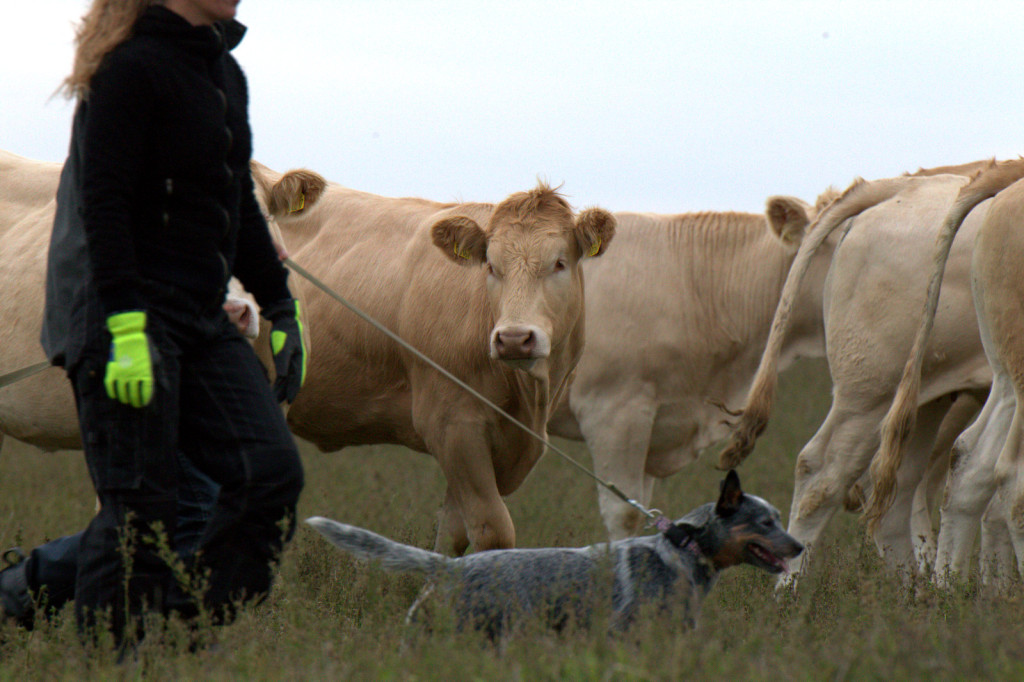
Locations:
797 548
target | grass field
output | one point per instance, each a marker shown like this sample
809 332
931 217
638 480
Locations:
330 618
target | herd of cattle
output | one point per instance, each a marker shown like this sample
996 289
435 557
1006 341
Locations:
684 316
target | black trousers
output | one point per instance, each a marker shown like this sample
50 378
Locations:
51 569
213 402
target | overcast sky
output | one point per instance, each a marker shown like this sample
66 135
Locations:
653 106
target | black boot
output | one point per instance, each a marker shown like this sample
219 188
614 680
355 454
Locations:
15 599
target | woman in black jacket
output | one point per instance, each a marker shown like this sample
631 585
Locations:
169 215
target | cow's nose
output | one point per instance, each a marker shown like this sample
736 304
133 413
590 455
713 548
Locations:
515 343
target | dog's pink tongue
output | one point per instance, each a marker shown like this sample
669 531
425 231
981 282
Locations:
778 561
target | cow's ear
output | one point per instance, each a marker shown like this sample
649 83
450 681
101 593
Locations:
731 496
295 192
788 218
461 239
595 228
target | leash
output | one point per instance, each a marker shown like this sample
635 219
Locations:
23 373
655 517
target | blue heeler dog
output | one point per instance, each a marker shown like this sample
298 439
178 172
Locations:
675 569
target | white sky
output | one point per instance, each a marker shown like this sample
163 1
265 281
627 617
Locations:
631 104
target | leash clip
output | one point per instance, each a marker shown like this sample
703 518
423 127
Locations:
659 521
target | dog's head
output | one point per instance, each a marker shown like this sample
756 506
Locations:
740 529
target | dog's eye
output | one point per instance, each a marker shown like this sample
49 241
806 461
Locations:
768 523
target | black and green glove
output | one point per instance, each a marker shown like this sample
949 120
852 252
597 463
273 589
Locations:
129 375
286 343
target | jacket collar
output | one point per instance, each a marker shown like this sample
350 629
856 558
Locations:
208 41
232 32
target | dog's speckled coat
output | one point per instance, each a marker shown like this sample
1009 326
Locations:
492 590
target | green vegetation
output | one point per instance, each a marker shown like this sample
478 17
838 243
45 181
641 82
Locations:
331 618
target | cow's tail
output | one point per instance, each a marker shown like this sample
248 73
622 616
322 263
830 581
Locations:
367 545
858 197
900 420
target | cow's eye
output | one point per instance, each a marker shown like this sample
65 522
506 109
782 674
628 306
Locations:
560 265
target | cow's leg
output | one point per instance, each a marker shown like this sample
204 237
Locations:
922 531
456 430
464 453
972 481
451 537
618 435
893 536
1010 478
474 492
826 468
649 482
926 498
996 562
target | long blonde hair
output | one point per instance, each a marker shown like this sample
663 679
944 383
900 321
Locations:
106 24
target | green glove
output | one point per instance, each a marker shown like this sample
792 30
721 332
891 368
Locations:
286 343
129 376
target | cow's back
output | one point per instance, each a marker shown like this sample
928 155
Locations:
679 315
40 409
877 284
376 253
26 181
999 281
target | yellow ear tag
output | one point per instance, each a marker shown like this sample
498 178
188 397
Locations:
298 204
594 249
460 253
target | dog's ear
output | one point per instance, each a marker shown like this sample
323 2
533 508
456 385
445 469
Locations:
731 496
680 533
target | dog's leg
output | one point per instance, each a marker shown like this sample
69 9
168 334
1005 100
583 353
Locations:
418 613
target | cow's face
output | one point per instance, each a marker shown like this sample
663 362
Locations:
531 251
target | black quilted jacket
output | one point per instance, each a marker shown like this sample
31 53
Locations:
166 190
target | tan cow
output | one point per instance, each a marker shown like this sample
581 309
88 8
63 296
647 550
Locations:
40 409
647 403
25 182
988 454
494 293
874 289
676 323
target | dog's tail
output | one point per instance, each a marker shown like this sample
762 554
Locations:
364 544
